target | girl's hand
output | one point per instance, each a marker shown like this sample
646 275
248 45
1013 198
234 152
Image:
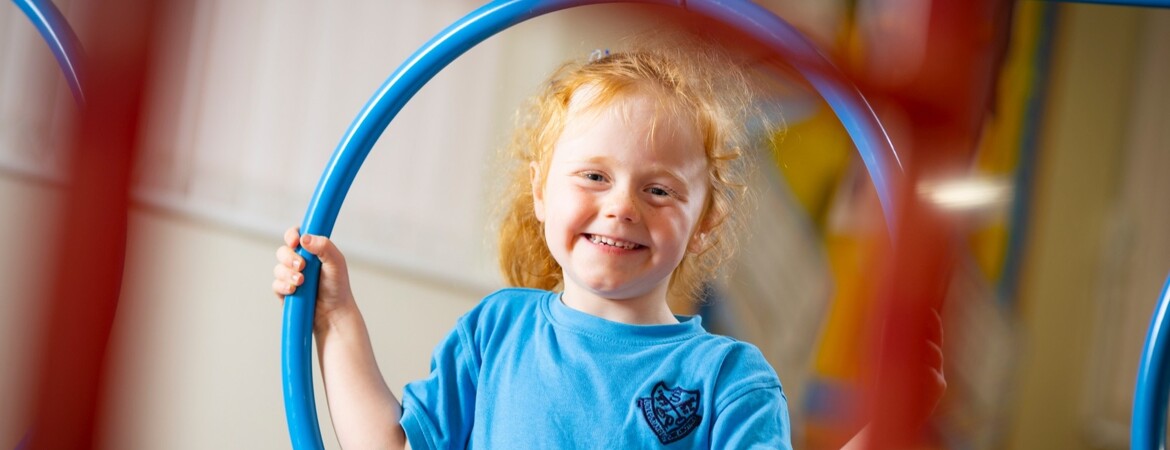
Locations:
936 377
364 412
333 290
935 385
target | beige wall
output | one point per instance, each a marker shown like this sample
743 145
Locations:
1083 142
196 360
26 216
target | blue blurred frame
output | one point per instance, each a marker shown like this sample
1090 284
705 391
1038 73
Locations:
57 33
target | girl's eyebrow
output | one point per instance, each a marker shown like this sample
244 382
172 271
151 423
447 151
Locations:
679 184
597 159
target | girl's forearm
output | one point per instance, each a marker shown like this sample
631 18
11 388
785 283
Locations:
364 412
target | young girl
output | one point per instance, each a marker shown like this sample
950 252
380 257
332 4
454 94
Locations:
630 184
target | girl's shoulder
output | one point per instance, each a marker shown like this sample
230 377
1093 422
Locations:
513 300
513 294
741 365
727 347
505 306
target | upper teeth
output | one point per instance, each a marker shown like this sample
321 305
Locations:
612 242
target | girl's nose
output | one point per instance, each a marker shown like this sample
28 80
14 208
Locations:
621 204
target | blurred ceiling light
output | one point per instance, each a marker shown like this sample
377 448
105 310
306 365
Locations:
967 194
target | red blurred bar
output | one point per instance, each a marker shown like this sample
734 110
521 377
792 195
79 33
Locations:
942 103
71 371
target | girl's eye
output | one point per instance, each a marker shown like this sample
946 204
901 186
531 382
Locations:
659 192
593 176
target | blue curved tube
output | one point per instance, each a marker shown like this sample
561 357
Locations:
862 124
1145 3
1148 429
61 39
855 113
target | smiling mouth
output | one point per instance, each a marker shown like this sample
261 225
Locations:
611 242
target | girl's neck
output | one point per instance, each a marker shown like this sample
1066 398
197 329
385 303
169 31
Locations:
647 309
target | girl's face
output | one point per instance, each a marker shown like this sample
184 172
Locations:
621 202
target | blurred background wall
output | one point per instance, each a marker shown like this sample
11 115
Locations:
251 97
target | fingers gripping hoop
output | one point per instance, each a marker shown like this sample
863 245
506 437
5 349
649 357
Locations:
773 32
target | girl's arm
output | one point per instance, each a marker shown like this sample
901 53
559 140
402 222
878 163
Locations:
364 412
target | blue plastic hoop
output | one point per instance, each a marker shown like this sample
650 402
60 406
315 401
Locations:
1148 429
61 39
842 96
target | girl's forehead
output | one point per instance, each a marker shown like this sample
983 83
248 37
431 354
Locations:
591 102
630 128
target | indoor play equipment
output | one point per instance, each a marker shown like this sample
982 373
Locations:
67 368
61 40
1153 385
1148 425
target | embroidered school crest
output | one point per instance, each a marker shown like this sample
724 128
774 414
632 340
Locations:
671 413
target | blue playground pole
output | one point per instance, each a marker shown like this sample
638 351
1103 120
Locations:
1148 429
61 39
1143 3
846 101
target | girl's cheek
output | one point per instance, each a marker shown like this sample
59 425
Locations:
579 195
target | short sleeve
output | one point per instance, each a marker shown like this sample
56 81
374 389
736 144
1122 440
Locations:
438 411
757 419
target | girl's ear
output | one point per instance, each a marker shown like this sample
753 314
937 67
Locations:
701 240
537 190
698 243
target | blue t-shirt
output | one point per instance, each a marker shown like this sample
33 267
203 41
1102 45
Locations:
523 371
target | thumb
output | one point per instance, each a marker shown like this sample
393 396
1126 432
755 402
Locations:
323 248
